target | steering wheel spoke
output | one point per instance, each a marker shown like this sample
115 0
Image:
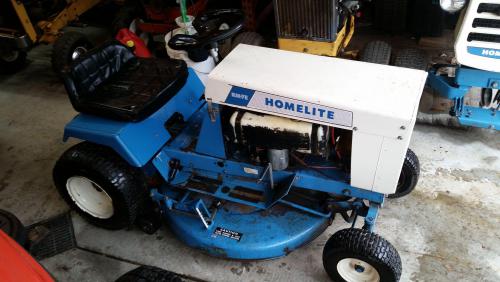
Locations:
209 31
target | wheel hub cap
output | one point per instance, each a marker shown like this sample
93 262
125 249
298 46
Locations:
90 197
355 270
78 52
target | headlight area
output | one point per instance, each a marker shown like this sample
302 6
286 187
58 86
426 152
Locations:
452 6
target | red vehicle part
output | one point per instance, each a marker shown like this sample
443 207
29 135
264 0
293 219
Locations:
16 265
130 39
163 20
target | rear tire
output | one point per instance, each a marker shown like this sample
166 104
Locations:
11 225
149 274
246 37
69 47
359 255
249 38
411 58
12 61
101 186
408 178
377 52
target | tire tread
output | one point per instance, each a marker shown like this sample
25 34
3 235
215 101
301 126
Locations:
411 58
63 46
128 181
378 52
149 274
366 244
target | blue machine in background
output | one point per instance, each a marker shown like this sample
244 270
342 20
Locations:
455 88
477 52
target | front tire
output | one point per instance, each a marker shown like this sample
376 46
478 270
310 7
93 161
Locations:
408 178
101 186
358 255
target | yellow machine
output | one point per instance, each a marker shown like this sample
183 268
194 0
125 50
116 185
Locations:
322 27
23 24
323 48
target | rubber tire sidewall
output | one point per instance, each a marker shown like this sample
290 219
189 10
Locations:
12 67
411 173
363 245
17 231
334 257
64 47
64 169
149 274
376 52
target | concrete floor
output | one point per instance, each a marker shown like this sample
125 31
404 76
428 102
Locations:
447 230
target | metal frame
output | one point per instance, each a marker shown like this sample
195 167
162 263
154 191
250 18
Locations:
455 88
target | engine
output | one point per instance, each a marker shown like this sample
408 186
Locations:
274 139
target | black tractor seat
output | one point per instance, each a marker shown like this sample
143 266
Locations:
111 82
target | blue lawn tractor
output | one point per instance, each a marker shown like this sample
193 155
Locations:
244 167
477 67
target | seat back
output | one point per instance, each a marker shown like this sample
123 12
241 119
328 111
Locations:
83 77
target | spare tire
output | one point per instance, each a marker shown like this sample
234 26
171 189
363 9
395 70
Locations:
11 225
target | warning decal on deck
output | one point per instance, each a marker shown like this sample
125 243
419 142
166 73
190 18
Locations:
219 231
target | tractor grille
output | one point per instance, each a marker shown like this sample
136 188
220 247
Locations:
478 41
487 23
489 8
484 37
307 19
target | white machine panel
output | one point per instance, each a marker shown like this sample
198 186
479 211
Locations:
379 103
477 43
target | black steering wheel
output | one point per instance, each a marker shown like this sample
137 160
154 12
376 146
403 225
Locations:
210 30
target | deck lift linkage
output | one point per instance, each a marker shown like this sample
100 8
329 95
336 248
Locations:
249 163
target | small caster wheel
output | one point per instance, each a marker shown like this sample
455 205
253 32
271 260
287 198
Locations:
360 255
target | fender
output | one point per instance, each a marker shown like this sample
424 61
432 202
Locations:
138 142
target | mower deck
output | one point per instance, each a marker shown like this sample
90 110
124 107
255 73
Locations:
246 233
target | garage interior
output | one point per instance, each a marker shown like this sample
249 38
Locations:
446 229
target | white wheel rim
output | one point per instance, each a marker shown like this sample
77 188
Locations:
78 52
355 270
90 197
